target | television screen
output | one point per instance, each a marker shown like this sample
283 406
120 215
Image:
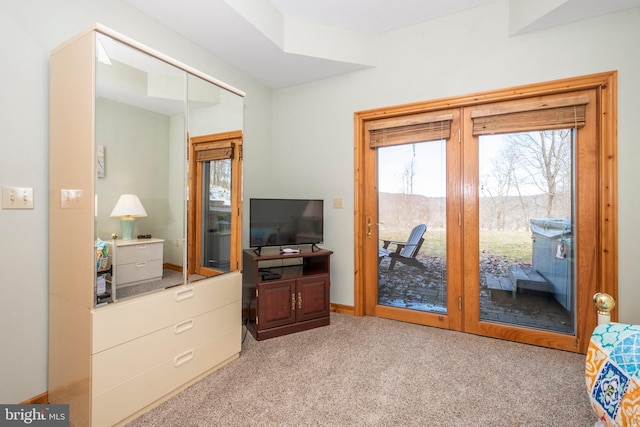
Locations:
285 222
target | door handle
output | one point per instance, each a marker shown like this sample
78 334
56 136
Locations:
369 227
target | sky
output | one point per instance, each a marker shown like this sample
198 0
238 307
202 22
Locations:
430 165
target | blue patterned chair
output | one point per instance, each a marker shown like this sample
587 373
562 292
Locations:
612 369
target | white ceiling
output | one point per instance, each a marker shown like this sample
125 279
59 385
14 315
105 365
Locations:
369 16
287 42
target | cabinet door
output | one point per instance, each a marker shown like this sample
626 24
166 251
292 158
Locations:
312 298
276 304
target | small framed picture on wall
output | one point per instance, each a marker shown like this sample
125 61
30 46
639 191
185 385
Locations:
100 156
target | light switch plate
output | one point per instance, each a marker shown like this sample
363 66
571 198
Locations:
17 197
338 202
71 198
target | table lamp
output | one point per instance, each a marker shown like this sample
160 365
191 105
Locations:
128 208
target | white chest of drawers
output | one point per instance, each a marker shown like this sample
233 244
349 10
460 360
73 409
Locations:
138 260
150 347
112 362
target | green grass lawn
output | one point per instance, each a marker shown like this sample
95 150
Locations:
514 245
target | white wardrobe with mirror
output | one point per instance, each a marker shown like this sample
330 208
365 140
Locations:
128 325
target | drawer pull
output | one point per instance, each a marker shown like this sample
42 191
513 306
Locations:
141 264
183 358
184 294
141 247
183 326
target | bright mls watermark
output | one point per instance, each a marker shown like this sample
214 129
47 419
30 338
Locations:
34 415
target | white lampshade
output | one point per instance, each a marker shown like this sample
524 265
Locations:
128 209
128 206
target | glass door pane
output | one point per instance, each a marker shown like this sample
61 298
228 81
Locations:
526 223
412 261
216 215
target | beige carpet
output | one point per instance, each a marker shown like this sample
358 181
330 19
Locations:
375 372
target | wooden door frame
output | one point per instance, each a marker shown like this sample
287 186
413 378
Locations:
452 319
194 214
606 255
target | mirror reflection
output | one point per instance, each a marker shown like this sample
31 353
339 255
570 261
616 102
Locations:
215 144
141 166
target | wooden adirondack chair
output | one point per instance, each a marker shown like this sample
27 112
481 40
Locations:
405 252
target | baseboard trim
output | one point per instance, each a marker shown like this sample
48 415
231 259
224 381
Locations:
41 399
173 267
343 309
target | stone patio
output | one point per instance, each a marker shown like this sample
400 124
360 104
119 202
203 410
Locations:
425 290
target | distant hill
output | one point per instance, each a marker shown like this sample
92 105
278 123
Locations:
403 211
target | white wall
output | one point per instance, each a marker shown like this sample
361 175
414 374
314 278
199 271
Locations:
457 55
124 146
30 29
24 249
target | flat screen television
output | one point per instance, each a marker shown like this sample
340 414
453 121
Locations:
285 222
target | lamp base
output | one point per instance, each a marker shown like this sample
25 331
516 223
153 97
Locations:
126 228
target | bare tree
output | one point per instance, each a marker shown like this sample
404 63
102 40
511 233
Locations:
409 172
495 191
522 199
408 176
543 161
220 173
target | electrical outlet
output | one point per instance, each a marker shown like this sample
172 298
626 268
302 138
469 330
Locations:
17 197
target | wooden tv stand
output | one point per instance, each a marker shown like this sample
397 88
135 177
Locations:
295 301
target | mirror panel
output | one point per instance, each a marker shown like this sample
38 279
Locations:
146 108
215 117
140 149
212 109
